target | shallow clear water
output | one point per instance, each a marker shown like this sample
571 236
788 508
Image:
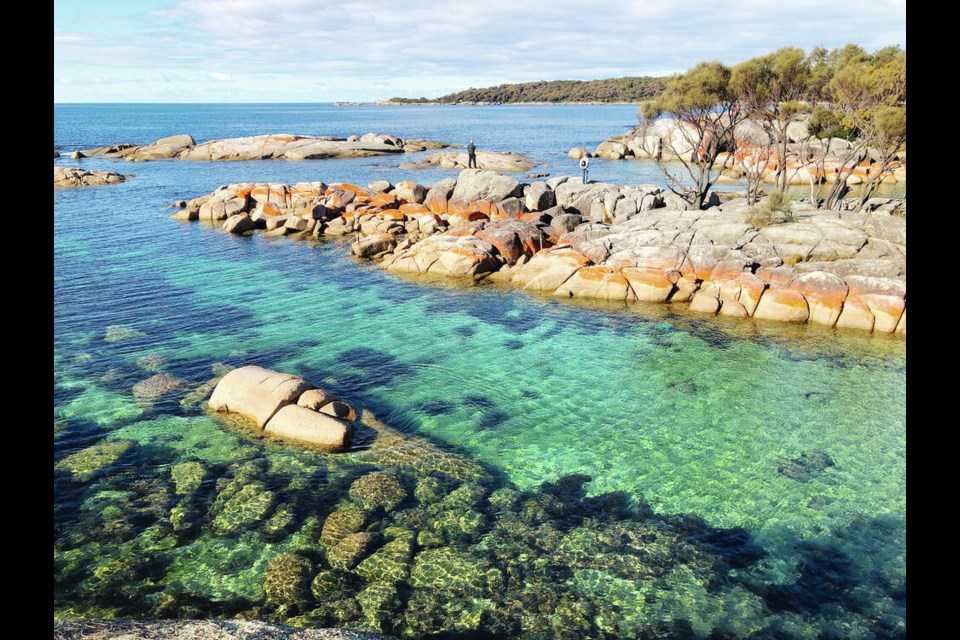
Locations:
779 450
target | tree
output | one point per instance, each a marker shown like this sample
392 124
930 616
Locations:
704 111
868 97
772 89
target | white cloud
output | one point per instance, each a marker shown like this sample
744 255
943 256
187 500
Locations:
365 49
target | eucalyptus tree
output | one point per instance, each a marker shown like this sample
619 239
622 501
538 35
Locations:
703 112
868 96
773 90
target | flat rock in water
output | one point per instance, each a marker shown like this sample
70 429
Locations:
73 177
490 160
263 147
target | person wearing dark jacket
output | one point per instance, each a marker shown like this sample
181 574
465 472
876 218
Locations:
471 156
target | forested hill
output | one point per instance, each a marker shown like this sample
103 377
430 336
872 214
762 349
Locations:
608 90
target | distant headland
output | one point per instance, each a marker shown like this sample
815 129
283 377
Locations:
626 90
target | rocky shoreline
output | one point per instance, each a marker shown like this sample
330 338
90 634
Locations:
264 147
843 269
809 160
197 630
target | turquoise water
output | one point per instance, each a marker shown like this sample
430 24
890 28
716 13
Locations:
600 471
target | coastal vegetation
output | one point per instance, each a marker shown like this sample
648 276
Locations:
819 115
626 89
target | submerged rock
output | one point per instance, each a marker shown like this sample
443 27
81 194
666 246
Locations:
391 562
351 550
240 506
378 490
448 569
188 476
805 466
328 585
90 462
120 332
342 523
156 387
286 582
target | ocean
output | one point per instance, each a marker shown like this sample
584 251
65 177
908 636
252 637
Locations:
565 470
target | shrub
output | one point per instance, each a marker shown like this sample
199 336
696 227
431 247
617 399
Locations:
774 208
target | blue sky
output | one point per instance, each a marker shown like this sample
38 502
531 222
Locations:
321 51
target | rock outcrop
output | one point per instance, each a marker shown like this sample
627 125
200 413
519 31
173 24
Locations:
73 177
283 405
603 241
489 160
753 149
265 147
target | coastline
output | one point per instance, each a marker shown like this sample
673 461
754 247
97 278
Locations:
600 241
387 103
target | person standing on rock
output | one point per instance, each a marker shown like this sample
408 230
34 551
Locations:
585 167
471 156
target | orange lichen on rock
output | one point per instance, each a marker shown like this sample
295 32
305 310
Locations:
825 293
384 201
855 315
412 208
784 305
392 214
649 285
270 209
603 283
436 202
346 186
886 311
467 216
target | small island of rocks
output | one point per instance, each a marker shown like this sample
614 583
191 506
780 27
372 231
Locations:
265 147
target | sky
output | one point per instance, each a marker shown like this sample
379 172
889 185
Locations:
364 50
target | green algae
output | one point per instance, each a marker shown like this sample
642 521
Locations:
342 523
92 461
119 333
329 585
351 550
200 393
188 476
448 568
377 602
240 506
430 490
282 520
391 562
378 490
286 582
190 436
99 405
